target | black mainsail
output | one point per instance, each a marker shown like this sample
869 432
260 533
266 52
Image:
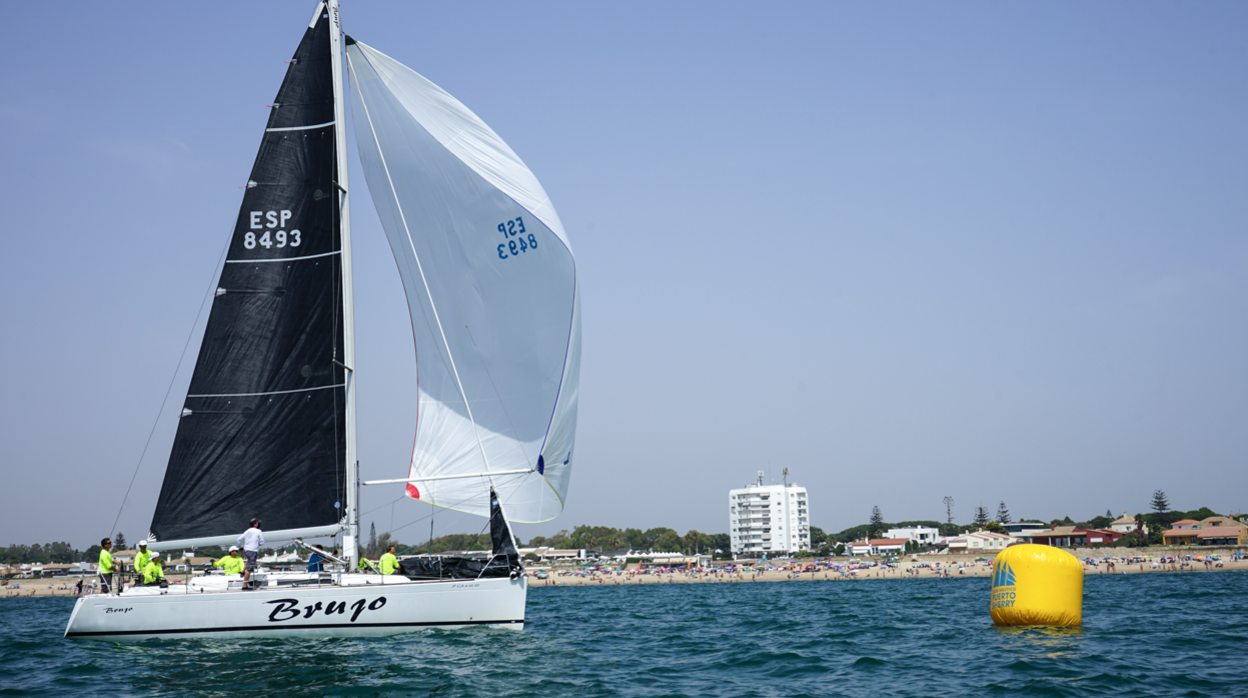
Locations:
263 428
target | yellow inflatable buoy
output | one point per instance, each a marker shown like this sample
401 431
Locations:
1037 585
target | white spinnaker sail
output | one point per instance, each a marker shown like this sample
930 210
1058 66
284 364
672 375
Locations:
492 290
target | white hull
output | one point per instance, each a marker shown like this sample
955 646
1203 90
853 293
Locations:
354 605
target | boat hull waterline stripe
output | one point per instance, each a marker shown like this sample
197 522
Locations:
318 626
282 259
300 128
275 392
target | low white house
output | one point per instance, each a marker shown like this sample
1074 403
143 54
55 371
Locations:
548 553
1024 529
923 535
670 559
981 541
858 547
1125 524
888 546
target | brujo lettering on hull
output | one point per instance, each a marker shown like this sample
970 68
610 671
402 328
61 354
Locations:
288 609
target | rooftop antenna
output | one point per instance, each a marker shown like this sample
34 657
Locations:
786 476
760 478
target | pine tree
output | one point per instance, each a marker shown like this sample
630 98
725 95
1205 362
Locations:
981 516
1109 514
1003 514
1160 504
877 521
949 509
119 543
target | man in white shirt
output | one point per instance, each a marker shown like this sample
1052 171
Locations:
251 541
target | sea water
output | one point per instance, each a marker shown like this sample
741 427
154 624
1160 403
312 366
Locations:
1183 634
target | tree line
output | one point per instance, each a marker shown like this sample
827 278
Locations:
42 554
600 538
606 538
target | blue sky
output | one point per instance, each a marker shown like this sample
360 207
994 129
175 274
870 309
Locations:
990 251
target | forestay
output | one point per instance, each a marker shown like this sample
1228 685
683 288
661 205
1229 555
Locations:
492 290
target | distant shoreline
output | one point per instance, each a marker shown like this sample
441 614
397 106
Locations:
908 569
904 570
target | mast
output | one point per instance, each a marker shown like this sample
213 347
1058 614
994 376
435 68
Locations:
351 536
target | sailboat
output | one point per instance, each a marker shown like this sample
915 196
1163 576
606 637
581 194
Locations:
268 428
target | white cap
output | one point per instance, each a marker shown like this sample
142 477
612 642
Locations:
233 548
155 554
143 542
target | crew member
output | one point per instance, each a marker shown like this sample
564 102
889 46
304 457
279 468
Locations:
389 563
153 571
250 541
230 564
141 558
106 566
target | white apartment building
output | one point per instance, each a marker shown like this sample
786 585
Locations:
772 519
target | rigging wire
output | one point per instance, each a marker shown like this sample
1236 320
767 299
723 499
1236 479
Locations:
431 514
434 511
211 293
383 506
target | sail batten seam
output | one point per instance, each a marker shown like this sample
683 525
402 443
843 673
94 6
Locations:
300 128
275 392
283 259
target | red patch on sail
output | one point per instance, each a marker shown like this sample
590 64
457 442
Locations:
412 491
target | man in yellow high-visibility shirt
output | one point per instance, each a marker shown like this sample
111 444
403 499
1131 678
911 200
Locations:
232 563
141 558
389 563
107 568
154 572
